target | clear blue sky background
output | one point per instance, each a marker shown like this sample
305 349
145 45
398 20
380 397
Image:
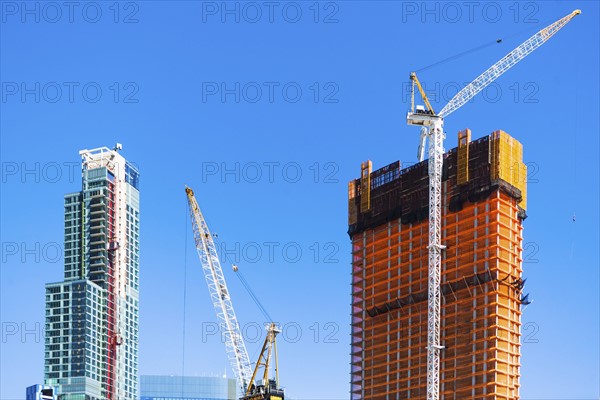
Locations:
549 102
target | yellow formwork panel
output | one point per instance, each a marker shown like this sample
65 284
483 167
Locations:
462 174
523 188
506 158
352 209
365 185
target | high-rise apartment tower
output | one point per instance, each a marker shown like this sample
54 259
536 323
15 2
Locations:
483 208
91 340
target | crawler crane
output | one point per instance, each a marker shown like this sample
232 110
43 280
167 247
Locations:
251 389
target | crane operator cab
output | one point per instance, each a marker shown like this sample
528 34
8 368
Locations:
261 391
421 110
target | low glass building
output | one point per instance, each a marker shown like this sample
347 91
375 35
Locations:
40 392
167 387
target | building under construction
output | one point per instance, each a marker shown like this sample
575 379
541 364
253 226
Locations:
483 208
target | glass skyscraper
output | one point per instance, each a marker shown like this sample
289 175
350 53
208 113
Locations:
91 340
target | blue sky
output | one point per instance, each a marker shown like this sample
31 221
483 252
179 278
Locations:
267 111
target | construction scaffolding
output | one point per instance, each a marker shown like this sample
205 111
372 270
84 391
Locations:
483 207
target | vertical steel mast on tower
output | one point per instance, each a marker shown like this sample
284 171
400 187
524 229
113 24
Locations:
432 127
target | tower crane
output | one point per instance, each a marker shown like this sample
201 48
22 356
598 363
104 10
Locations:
432 125
234 342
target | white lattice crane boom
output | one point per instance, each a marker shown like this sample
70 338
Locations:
211 266
512 58
432 125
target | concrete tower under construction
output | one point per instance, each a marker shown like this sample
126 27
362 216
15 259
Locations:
91 335
483 208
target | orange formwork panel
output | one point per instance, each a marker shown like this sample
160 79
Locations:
481 277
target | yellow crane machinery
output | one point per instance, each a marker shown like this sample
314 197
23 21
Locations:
432 125
250 388
269 389
420 109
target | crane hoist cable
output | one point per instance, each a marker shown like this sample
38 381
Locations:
459 55
243 280
482 46
248 288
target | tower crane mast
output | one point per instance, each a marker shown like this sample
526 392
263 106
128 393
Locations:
432 127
